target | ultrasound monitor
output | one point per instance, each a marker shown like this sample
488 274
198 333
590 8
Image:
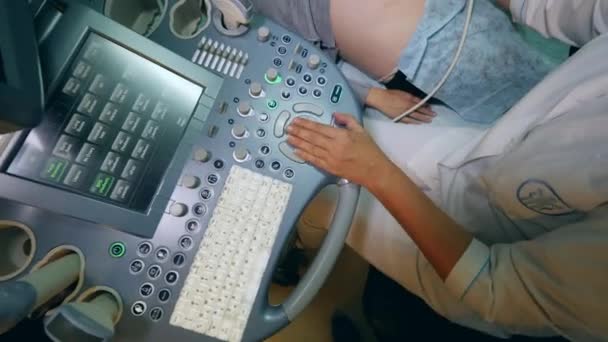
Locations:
111 128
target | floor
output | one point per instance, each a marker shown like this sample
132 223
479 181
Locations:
343 290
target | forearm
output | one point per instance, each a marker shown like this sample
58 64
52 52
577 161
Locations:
439 238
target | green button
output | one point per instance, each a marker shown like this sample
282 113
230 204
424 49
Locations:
278 80
117 249
272 104
102 184
54 169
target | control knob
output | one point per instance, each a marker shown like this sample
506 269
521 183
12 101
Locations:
241 154
239 131
314 61
201 155
263 34
272 74
255 89
244 108
178 209
191 182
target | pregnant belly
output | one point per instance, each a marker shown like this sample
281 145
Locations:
372 34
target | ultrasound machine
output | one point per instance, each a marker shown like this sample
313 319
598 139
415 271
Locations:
146 185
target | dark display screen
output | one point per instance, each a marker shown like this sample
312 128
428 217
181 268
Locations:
111 128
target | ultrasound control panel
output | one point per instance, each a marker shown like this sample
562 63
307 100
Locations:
162 162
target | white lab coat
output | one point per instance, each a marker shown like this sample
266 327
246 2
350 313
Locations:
533 190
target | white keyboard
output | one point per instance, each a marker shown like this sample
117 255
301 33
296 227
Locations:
222 285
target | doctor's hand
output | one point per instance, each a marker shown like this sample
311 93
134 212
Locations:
348 152
396 102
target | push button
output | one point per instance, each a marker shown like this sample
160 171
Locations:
139 308
171 277
89 155
76 177
198 209
156 314
110 114
185 242
123 143
88 104
193 226
132 122
54 169
154 272
67 147
279 126
132 170
122 191
136 266
102 184
164 295
179 259
142 150
117 250
146 290
213 178
112 163
78 126
100 134
144 249
336 94
206 194
162 254
99 86
308 108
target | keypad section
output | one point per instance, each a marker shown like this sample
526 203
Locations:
113 124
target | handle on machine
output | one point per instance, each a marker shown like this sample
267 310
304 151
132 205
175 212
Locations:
325 260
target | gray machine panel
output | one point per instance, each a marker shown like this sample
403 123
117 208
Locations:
60 217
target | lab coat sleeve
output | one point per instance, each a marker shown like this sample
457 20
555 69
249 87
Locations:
556 282
574 22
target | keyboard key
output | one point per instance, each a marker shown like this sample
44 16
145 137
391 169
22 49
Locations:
82 70
132 122
110 114
88 104
67 147
123 143
142 150
54 169
76 177
151 130
72 87
160 111
120 93
132 170
142 104
122 191
102 184
100 135
79 126
89 155
99 86
112 163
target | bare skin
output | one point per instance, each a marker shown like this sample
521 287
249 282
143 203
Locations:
371 35
352 154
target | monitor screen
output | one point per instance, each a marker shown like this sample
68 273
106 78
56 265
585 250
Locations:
111 127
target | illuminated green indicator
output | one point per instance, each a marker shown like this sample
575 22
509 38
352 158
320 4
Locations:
272 104
117 250
102 184
278 80
55 169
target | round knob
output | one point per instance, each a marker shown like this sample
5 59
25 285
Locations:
255 89
244 108
191 182
263 34
272 74
201 155
314 61
241 154
178 209
239 131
